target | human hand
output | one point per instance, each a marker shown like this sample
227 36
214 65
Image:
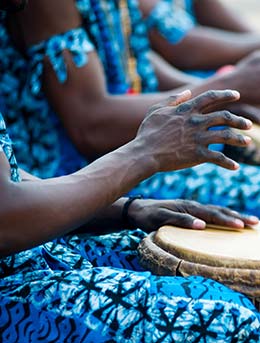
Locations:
176 134
149 215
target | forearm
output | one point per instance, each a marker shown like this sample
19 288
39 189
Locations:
107 220
38 211
214 13
211 48
168 76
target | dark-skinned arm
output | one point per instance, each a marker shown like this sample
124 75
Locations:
37 211
152 214
208 45
168 76
205 48
102 122
216 14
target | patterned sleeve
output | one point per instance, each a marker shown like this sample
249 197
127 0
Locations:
170 20
6 147
75 41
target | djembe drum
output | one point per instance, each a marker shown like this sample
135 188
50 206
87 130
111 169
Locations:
231 257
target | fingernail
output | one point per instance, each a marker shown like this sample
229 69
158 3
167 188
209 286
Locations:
236 94
253 219
239 222
236 165
248 122
187 91
198 224
247 139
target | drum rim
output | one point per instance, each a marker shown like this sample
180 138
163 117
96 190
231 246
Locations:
160 262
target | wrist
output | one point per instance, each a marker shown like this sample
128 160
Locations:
128 210
144 157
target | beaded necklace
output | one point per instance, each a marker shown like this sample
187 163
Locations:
113 42
106 43
104 23
134 78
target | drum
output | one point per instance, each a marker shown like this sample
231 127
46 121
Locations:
231 257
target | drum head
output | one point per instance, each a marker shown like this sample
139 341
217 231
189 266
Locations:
214 247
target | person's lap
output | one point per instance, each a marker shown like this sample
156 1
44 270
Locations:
77 289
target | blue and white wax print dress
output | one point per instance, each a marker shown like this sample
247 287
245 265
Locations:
91 289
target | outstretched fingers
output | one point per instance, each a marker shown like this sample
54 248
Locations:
213 99
220 159
228 119
226 136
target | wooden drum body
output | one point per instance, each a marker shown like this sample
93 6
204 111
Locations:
227 256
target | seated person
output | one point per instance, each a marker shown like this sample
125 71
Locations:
76 105
208 29
56 285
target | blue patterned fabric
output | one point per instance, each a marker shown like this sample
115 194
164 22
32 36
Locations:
171 20
47 130
208 184
41 143
91 289
6 147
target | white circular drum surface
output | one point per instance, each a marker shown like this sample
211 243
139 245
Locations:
243 245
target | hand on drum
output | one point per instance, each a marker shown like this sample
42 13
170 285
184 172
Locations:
149 215
176 134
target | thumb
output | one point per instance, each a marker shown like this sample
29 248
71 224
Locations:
178 99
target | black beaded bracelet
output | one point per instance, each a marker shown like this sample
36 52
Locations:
125 209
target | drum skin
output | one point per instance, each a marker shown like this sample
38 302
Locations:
162 256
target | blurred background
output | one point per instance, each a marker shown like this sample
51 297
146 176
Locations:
250 9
